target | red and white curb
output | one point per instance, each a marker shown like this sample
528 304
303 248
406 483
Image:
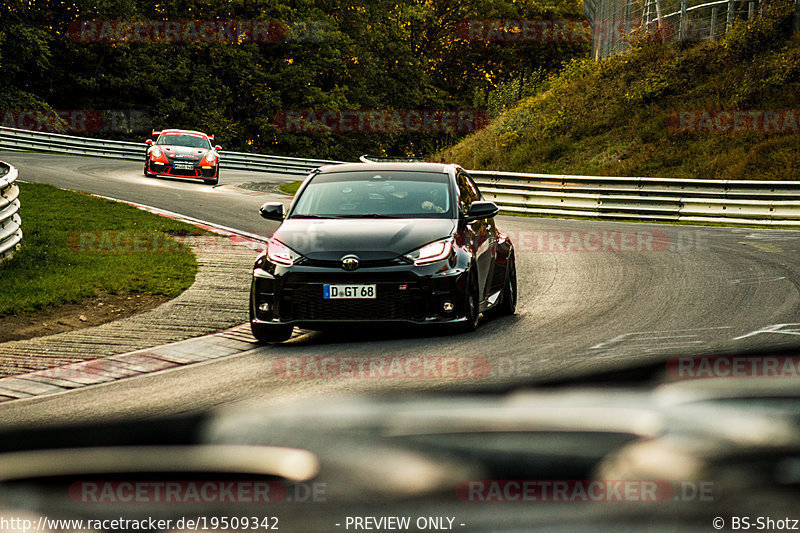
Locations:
95 371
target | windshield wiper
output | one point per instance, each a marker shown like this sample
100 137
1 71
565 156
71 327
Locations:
315 216
367 215
370 215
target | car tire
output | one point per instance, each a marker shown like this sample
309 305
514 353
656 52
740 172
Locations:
508 298
211 181
146 173
473 312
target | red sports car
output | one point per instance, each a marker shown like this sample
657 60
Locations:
182 154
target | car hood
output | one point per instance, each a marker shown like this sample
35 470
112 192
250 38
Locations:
182 151
369 239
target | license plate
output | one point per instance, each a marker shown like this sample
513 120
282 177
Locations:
360 292
184 166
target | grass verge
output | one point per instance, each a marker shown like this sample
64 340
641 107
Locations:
627 115
76 245
290 188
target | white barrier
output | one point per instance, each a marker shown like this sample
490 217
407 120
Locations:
10 222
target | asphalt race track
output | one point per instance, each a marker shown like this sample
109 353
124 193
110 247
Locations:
593 295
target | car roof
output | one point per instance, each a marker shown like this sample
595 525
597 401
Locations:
182 132
404 166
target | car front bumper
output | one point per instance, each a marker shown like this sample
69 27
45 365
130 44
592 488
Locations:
168 170
404 294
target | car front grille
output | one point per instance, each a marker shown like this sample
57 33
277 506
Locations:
181 172
305 302
337 264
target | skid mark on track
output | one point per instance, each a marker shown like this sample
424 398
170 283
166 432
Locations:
655 342
792 328
765 247
756 280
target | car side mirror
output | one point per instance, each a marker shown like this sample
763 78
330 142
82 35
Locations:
272 211
218 148
149 142
481 210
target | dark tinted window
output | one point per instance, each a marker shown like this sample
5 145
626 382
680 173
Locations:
395 194
189 141
467 191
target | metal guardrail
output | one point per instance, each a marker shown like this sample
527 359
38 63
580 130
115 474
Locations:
10 222
722 201
16 139
726 201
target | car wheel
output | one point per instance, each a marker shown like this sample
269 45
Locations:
146 173
473 311
508 299
211 181
269 332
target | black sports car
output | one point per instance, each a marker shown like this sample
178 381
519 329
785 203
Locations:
182 154
382 242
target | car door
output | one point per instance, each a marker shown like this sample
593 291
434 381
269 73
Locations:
479 232
495 277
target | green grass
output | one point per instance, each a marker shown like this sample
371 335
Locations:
54 266
613 117
291 187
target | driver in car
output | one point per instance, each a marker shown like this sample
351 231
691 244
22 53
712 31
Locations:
427 205
433 203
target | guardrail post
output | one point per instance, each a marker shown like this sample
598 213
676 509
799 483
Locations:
682 30
730 16
601 30
713 29
607 30
797 15
628 19
660 22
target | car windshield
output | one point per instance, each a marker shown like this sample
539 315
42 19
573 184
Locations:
381 194
189 141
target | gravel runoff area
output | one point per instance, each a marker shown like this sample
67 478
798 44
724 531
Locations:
217 300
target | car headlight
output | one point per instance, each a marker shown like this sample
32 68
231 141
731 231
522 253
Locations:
211 157
155 152
430 253
279 253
